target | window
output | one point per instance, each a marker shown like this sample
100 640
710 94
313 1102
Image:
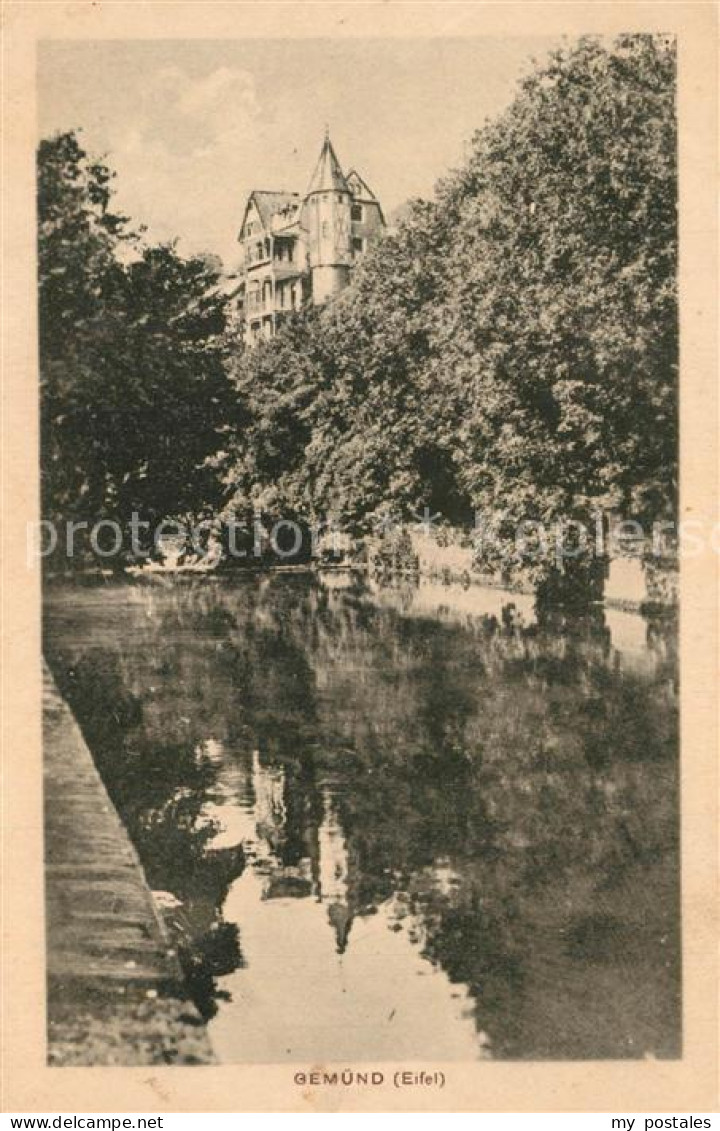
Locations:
356 212
325 229
358 245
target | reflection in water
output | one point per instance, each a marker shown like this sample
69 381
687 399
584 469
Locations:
414 822
305 992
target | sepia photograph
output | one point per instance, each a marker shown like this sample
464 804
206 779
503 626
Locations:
359 480
362 551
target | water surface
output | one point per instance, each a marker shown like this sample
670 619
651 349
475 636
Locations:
393 823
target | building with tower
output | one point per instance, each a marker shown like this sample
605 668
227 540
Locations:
299 249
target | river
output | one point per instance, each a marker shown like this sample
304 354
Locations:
393 823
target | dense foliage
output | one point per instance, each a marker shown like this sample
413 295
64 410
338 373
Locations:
512 347
510 789
133 382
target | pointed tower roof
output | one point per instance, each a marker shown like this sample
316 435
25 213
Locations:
328 176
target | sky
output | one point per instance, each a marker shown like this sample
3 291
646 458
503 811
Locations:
192 126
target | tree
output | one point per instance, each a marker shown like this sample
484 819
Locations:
562 333
513 346
340 413
132 357
79 277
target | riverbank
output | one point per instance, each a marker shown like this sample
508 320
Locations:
116 993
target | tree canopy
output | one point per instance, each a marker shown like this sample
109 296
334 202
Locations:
511 347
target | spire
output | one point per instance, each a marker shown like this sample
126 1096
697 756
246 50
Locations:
328 176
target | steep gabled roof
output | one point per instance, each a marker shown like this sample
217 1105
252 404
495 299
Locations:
328 176
360 188
267 204
362 192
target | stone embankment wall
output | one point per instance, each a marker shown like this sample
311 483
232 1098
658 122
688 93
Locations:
116 993
628 584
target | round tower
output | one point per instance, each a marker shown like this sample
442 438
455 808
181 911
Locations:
327 223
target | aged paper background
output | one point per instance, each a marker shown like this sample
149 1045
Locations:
672 1086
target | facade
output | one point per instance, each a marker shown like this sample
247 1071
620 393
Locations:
299 249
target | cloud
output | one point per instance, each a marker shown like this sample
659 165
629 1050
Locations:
192 115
